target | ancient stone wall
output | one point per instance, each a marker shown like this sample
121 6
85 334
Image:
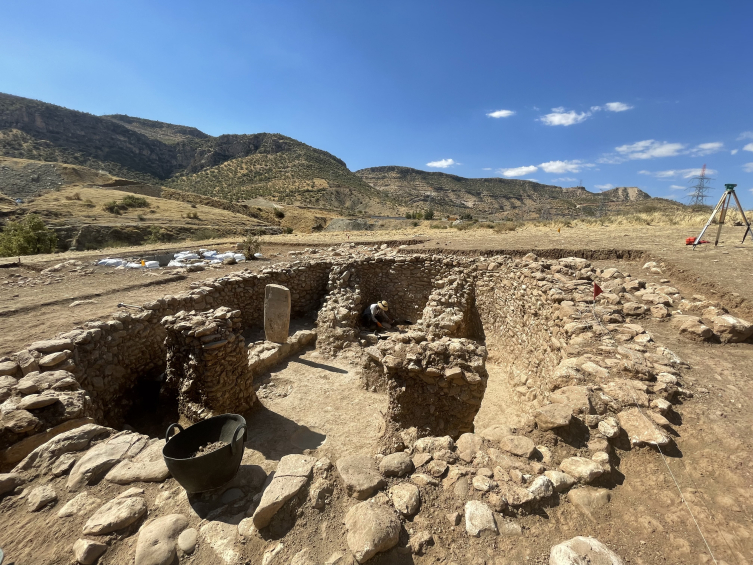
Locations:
207 363
518 323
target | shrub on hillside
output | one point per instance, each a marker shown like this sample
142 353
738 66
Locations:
114 207
132 201
27 237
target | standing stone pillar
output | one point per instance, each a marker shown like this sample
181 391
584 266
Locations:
276 313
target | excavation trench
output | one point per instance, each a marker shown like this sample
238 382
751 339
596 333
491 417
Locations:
201 353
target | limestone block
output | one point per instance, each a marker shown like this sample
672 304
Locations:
582 550
276 313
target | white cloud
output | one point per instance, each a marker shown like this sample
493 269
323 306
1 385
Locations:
748 167
604 186
677 187
442 164
707 148
745 135
501 114
564 179
617 107
559 117
733 152
518 171
677 173
486 169
559 167
748 147
649 149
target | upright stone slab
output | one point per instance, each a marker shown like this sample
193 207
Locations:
276 313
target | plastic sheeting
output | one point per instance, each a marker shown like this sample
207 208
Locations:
181 259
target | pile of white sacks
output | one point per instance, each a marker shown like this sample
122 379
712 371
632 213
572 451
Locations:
128 264
184 258
181 259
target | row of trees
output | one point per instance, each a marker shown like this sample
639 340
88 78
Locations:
418 215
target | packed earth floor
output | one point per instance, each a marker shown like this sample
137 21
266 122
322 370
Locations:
511 415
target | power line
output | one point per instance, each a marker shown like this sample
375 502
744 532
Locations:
698 193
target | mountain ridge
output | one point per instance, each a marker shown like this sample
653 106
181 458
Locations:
239 167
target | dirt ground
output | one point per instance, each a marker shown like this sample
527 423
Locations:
317 404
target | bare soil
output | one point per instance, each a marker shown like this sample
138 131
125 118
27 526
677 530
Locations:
318 406
209 448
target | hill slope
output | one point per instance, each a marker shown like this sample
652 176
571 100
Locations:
447 193
263 164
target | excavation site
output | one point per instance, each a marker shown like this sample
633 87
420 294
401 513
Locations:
260 416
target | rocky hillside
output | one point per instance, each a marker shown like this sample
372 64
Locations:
232 167
416 189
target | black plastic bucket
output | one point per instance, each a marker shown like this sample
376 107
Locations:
212 470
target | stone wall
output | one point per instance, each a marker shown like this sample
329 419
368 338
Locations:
531 314
207 363
518 323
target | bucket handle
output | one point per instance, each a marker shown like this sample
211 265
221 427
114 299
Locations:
170 429
235 437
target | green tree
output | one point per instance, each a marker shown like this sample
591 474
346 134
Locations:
28 236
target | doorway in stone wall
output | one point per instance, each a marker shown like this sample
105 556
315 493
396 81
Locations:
152 409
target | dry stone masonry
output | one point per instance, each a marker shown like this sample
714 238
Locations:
589 375
207 363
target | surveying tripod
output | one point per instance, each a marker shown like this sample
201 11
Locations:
722 207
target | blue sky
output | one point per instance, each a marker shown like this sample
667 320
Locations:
616 94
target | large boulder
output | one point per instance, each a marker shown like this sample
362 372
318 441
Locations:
292 474
158 539
583 551
582 469
640 429
41 459
731 329
553 416
115 515
360 475
372 528
574 397
102 457
147 467
81 504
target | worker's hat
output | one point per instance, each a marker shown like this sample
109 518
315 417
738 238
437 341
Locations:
383 305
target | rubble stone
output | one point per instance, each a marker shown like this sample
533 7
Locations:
581 550
360 475
479 518
372 528
86 552
157 541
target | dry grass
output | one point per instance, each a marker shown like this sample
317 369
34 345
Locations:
84 205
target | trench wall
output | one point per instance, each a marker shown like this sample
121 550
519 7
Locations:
505 308
108 357
518 323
